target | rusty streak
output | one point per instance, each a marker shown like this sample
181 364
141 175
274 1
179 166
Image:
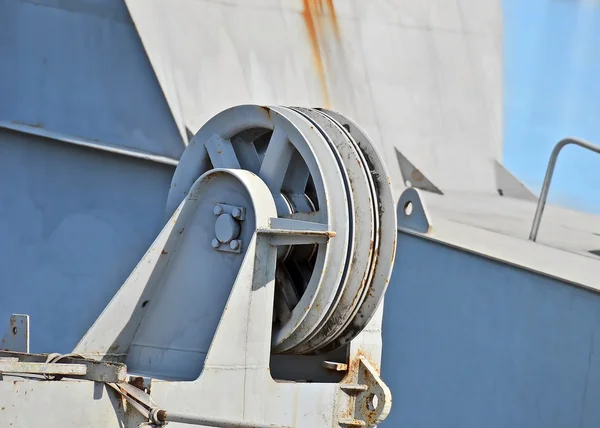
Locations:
313 10
333 18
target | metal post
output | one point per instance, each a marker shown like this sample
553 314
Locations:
548 178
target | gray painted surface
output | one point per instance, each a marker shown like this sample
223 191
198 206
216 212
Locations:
573 231
509 185
473 343
73 221
421 76
77 67
73 224
467 341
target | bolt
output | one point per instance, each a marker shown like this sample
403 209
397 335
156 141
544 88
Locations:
161 415
215 243
236 213
235 244
218 210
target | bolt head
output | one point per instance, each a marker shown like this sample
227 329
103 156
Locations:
235 244
215 243
217 210
236 213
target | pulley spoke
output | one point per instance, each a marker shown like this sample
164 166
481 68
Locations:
221 153
282 308
296 176
277 158
247 154
286 288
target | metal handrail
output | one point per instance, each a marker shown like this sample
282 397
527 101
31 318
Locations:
548 178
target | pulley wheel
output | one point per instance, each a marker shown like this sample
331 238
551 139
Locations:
318 171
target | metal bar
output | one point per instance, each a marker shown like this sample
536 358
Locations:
98 371
144 410
144 403
221 153
43 368
548 178
295 225
287 231
296 237
211 422
352 422
56 136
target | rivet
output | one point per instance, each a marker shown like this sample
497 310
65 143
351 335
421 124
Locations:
218 210
215 243
235 244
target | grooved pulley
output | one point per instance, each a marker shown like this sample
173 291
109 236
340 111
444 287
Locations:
320 168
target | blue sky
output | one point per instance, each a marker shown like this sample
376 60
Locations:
551 91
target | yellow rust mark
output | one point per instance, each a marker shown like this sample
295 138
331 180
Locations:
312 14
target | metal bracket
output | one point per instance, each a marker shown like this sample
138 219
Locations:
16 337
412 214
413 177
371 398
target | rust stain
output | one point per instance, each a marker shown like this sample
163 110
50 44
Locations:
312 13
333 18
417 175
138 382
268 110
162 415
360 406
